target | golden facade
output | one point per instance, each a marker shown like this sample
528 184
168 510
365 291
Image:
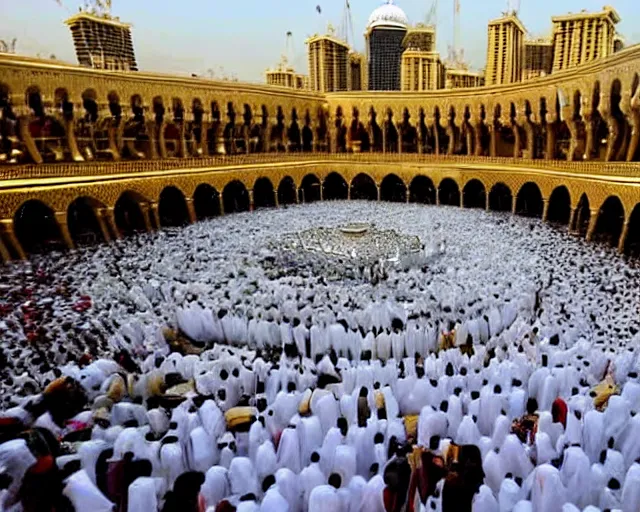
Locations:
329 64
357 72
421 71
538 58
420 37
284 76
463 78
583 37
102 42
75 136
505 51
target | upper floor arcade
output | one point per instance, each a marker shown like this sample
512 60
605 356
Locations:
54 112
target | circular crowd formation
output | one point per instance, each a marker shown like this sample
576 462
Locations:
205 368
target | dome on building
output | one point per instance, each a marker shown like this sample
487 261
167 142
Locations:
388 15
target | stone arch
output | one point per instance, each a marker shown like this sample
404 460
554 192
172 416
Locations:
422 190
235 197
529 201
129 213
393 189
36 227
617 141
559 210
82 221
449 192
582 216
334 187
62 103
500 198
33 100
115 108
599 126
310 189
287 191
474 194
610 221
263 195
364 187
206 201
90 105
172 207
632 245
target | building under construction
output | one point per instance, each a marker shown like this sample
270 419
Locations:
505 50
357 72
284 76
583 37
421 67
102 42
538 58
462 78
385 33
329 63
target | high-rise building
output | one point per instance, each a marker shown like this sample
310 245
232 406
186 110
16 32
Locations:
538 58
102 42
421 71
421 37
583 37
357 72
462 78
385 32
284 76
505 50
329 63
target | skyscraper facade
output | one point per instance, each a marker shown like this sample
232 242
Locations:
505 51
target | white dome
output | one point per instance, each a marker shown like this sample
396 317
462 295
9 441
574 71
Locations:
388 15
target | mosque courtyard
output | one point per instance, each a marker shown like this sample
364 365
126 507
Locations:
338 356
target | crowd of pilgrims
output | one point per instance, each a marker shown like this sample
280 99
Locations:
186 371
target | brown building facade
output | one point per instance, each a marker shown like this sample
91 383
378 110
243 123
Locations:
538 58
329 64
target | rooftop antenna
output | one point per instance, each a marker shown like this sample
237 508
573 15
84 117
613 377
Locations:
454 53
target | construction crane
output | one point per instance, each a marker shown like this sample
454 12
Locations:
456 55
431 19
99 7
513 7
345 31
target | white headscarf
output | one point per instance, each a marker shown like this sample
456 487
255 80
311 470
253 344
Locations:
289 487
593 434
15 461
143 494
575 472
372 500
547 494
289 450
242 477
215 486
484 501
510 494
514 457
310 436
84 495
631 490
324 499
493 470
273 501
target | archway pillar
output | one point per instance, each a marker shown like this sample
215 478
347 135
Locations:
572 219
191 210
593 220
545 209
462 198
72 142
487 202
150 211
623 236
7 228
493 142
348 192
517 145
251 203
275 198
61 219
4 252
550 149
100 214
407 195
379 194
589 142
322 191
301 195
221 203
478 149
514 204
634 123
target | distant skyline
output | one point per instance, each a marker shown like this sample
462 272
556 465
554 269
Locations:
245 37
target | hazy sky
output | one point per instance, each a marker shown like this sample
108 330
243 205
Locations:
244 37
